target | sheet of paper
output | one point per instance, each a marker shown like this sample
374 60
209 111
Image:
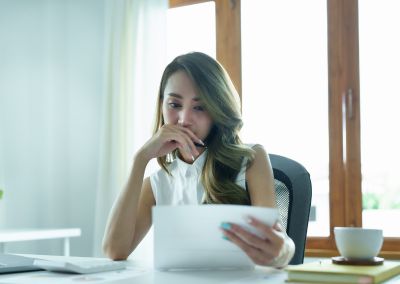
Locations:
190 236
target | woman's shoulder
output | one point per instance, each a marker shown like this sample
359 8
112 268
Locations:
246 163
259 148
250 145
260 156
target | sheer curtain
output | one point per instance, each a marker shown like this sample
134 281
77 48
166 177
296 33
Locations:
135 57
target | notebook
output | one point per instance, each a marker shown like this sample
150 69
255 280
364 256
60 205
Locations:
189 236
10 263
327 272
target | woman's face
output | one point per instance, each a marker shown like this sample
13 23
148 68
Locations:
181 105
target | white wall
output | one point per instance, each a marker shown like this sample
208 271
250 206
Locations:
51 88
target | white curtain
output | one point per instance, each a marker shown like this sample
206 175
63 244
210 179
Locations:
135 57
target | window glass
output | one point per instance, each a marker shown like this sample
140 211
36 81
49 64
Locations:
285 89
379 26
191 28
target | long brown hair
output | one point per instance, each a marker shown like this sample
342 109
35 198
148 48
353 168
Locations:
226 152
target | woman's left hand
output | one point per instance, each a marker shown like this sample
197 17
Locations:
262 251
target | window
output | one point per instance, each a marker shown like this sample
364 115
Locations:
380 152
285 89
306 53
191 28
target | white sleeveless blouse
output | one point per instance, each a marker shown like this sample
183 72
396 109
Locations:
184 186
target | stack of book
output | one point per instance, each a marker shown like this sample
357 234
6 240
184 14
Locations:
327 272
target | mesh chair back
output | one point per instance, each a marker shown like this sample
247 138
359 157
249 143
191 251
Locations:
282 201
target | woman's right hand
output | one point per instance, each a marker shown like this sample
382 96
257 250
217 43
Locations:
168 138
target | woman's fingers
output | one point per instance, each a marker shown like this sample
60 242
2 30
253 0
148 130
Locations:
273 234
190 147
182 144
192 135
256 255
184 137
248 237
170 137
262 250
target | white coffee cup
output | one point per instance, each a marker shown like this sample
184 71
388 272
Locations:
358 243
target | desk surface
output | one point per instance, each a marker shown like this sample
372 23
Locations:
138 273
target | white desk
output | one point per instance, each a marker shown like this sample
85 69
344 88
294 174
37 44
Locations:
137 273
140 274
18 235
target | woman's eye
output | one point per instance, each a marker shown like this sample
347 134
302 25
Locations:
173 105
199 108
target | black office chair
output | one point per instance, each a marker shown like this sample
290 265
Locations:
293 198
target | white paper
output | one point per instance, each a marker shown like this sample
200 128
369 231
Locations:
189 236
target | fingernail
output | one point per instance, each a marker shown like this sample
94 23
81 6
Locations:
192 158
201 142
249 220
225 238
226 226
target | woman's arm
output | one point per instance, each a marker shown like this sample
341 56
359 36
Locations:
276 248
130 217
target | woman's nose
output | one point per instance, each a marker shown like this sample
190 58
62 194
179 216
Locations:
185 117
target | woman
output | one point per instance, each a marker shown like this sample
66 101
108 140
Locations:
202 160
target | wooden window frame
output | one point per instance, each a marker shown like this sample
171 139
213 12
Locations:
342 76
345 195
228 35
344 158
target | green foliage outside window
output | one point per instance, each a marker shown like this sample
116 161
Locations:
370 200
388 201
395 204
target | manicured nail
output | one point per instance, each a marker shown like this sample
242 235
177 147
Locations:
192 158
225 238
201 142
199 145
249 220
226 226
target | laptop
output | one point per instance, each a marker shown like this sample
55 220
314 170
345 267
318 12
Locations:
189 236
11 263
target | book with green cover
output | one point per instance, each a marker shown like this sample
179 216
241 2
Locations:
328 272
